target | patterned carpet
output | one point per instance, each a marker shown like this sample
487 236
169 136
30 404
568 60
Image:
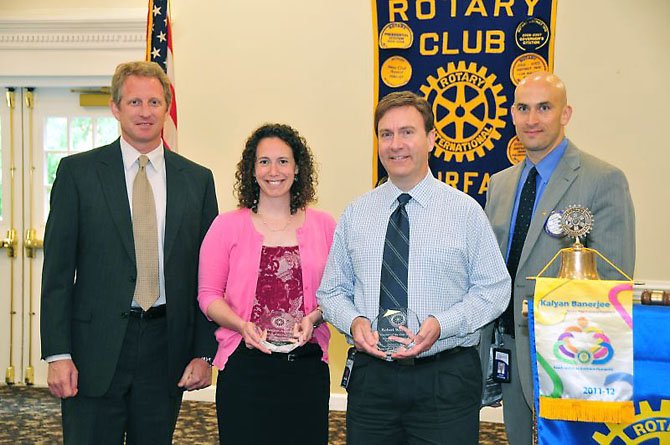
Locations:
30 416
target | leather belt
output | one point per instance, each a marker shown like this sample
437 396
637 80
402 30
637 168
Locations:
150 314
416 361
305 351
431 358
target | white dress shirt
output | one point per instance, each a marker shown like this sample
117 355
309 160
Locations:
156 176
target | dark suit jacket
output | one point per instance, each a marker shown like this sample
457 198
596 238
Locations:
89 270
579 179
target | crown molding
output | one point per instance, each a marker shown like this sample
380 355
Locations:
43 33
69 47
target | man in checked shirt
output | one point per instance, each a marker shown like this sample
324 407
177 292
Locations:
452 276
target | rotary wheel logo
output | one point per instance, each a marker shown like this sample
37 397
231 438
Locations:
467 104
649 425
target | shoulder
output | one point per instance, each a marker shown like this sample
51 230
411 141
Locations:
186 164
444 194
103 153
596 166
591 171
448 204
365 201
233 218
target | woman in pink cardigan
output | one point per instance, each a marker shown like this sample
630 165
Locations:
260 267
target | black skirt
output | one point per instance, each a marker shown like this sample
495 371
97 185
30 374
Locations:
277 398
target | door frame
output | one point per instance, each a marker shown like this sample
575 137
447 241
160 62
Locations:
62 48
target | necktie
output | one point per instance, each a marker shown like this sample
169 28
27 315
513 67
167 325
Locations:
393 289
523 217
145 233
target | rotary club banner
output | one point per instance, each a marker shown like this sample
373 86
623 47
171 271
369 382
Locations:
465 57
651 422
584 349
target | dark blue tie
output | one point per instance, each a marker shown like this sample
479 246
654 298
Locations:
523 216
393 291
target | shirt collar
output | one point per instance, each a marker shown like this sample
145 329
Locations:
549 163
130 155
420 192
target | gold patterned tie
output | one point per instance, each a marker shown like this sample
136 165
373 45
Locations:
145 233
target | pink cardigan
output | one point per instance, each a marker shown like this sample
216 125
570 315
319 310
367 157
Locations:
230 256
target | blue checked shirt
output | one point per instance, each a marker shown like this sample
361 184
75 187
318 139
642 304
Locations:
456 271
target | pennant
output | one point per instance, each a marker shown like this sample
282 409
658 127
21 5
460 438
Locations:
584 349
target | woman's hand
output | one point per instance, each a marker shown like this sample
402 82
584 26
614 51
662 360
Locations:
303 331
253 335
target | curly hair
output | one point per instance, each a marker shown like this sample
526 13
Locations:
303 189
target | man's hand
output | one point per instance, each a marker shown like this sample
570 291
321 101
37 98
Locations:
197 375
419 343
63 378
364 339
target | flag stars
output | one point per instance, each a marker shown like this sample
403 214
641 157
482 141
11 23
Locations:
155 53
157 10
162 36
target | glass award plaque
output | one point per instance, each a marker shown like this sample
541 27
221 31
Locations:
392 322
279 329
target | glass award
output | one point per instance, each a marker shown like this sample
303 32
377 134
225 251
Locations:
390 323
279 328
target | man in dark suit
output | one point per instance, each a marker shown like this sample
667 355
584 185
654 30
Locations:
120 324
563 176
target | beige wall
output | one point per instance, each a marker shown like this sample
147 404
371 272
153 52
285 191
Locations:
309 63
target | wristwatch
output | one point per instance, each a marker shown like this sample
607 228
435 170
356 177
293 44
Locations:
209 360
320 322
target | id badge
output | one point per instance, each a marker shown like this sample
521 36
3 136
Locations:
501 365
348 368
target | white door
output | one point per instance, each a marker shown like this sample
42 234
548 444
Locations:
38 127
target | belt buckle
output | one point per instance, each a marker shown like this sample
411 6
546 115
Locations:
136 312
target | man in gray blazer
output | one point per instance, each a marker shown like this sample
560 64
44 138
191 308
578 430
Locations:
564 176
120 360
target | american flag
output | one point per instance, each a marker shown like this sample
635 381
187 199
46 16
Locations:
159 50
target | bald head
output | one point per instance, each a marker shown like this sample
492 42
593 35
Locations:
540 114
546 80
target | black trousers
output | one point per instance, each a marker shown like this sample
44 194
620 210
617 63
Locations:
433 401
138 406
268 399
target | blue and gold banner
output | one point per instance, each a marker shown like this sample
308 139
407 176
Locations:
651 398
465 57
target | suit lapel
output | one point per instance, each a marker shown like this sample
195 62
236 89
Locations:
176 199
113 182
564 175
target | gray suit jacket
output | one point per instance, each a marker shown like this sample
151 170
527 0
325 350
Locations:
579 179
89 271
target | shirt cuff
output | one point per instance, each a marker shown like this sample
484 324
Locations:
54 358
